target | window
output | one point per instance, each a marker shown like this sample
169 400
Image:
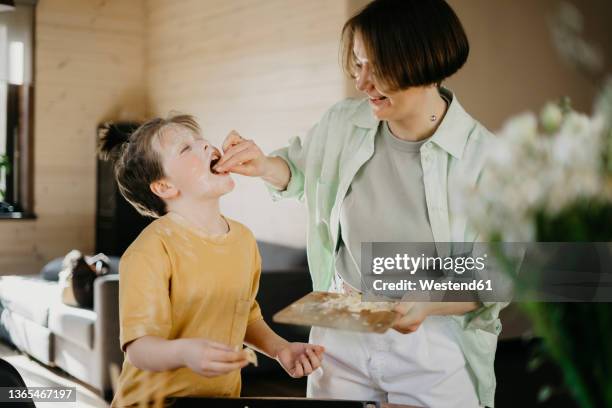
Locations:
16 109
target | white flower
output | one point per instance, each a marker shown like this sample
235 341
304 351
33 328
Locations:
524 126
551 117
576 124
501 154
527 173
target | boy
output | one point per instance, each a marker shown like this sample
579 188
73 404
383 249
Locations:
188 282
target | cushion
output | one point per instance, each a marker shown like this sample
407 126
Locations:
52 269
73 323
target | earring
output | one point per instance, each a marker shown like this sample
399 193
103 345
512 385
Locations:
433 118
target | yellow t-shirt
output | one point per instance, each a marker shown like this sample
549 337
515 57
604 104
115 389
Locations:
176 282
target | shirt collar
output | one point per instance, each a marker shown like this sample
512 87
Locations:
451 135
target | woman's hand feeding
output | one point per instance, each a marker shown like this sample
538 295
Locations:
242 156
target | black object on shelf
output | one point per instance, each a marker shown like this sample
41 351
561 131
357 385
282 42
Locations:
117 222
8 207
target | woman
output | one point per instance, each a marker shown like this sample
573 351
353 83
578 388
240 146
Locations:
395 153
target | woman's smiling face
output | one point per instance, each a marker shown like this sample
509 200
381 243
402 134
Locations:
186 159
386 104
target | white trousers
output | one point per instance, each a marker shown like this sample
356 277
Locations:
419 369
425 368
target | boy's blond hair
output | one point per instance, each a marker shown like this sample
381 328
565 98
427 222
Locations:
137 163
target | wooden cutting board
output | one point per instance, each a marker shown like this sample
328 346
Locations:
311 310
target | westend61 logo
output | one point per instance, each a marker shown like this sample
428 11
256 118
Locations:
411 264
398 270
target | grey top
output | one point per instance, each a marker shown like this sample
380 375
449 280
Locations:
385 203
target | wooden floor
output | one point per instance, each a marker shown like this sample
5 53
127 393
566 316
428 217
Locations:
36 374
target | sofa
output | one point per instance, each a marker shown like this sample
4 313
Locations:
80 341
84 343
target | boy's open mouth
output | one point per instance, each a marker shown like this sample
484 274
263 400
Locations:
214 160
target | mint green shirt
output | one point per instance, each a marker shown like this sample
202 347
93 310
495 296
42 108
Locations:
326 162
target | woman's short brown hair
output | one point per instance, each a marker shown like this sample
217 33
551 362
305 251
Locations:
137 163
408 42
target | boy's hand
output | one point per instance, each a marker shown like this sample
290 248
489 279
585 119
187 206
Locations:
209 358
300 359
